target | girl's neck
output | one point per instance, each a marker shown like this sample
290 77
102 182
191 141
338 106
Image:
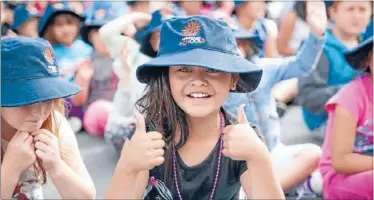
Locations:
245 21
7 131
203 127
348 40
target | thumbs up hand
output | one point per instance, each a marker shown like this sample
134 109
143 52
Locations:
144 151
240 141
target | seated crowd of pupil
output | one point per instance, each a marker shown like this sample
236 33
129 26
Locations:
191 96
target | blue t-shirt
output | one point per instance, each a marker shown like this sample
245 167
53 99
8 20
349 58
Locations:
68 57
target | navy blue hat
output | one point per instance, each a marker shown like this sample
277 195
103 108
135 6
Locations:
22 13
32 77
158 17
200 41
356 57
52 10
238 3
99 14
131 3
328 3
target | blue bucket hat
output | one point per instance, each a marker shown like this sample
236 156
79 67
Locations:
200 41
52 10
356 57
33 77
22 13
158 17
99 14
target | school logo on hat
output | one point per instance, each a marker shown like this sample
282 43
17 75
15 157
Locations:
191 30
49 56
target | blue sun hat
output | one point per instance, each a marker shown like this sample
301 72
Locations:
356 57
22 13
32 77
52 10
204 42
99 14
158 17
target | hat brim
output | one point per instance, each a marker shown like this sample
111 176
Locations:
25 92
358 55
243 35
146 47
212 59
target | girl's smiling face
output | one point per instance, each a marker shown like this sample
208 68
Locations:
200 91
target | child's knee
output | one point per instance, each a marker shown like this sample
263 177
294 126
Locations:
310 153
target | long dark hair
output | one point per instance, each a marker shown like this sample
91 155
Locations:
163 114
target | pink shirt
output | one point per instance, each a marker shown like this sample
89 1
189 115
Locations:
356 97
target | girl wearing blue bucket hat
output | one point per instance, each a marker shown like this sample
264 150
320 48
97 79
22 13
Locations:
36 139
188 147
347 159
60 24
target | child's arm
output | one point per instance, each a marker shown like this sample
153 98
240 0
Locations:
270 48
127 185
110 33
285 33
83 79
71 177
259 181
9 181
344 160
305 60
295 66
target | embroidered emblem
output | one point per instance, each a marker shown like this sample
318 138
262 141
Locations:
191 30
49 55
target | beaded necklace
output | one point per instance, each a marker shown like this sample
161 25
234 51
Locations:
176 182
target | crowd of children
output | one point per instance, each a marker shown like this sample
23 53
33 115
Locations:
190 95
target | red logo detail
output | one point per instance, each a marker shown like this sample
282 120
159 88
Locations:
192 28
49 55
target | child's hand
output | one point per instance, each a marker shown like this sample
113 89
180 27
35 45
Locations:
141 19
144 151
316 17
85 69
47 148
20 154
240 141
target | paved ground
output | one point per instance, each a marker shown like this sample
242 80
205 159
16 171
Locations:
100 159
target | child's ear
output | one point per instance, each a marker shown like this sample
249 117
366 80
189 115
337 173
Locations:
234 81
